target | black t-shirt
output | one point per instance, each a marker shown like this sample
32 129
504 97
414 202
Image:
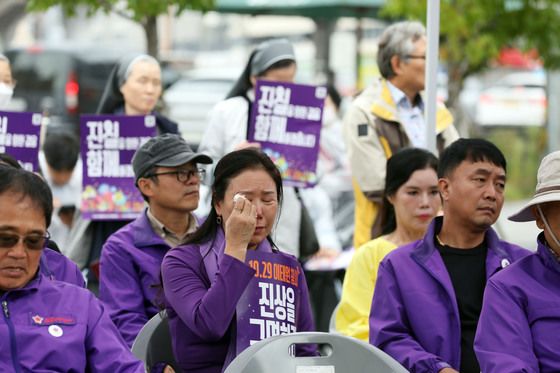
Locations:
467 270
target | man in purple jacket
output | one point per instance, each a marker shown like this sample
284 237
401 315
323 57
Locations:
167 176
46 325
428 294
519 328
54 265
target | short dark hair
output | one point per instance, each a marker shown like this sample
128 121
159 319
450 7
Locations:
149 171
62 150
27 184
231 165
399 169
8 160
472 150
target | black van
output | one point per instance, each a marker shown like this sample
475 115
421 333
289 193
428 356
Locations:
61 82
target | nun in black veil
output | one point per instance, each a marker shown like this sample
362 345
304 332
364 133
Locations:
133 88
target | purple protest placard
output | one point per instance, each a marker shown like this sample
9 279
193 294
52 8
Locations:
19 137
108 143
269 305
286 121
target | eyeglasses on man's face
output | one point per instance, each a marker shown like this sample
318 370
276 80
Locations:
33 241
182 175
415 57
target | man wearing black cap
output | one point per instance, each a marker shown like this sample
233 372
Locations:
166 174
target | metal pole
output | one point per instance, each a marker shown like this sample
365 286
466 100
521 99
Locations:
431 73
359 38
553 88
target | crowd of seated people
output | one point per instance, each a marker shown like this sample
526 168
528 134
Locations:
432 284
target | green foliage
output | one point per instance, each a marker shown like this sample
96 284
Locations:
473 31
138 10
144 12
523 148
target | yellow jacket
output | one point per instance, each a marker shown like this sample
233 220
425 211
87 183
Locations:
352 317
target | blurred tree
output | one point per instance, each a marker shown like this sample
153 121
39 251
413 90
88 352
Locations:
472 32
144 12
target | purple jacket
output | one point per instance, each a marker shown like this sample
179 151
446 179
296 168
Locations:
414 314
58 267
202 311
519 327
51 326
129 280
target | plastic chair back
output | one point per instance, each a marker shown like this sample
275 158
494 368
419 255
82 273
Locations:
345 355
332 321
153 344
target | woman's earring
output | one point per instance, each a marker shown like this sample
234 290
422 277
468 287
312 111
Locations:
219 220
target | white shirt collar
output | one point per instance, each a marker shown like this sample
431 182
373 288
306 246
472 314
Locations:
400 98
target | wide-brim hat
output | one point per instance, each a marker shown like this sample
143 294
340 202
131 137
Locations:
547 190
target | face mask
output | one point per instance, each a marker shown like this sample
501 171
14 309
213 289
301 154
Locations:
6 93
548 227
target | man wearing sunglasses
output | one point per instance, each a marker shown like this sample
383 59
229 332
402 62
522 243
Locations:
167 175
53 264
46 325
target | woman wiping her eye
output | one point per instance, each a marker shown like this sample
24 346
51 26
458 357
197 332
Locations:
229 286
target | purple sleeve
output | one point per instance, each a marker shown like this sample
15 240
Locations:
57 266
121 292
106 350
71 274
79 277
305 317
207 312
389 328
503 341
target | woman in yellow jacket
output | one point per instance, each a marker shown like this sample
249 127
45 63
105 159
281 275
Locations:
411 200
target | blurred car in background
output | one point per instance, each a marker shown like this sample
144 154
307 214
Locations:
189 100
468 97
62 83
517 99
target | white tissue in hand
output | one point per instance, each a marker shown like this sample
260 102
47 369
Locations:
237 197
